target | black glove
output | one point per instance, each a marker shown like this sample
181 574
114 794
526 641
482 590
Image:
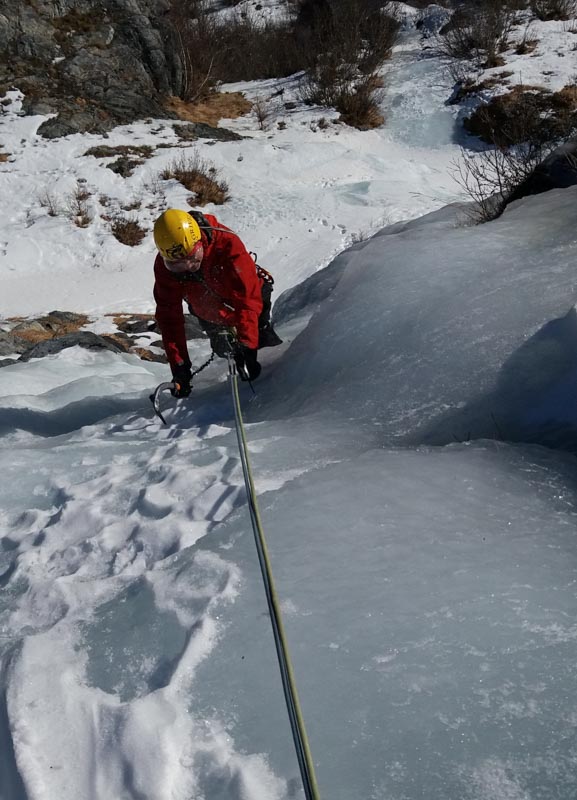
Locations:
246 363
182 377
223 342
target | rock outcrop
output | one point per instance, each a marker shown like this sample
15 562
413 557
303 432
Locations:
94 64
23 339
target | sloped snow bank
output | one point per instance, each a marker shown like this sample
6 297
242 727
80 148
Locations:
437 331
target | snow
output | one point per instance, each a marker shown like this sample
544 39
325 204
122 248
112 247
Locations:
552 64
412 445
298 196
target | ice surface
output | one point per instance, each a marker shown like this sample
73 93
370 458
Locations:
429 602
437 333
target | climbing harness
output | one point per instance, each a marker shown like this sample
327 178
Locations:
262 273
300 739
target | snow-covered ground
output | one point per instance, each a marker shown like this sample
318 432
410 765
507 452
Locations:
421 534
298 195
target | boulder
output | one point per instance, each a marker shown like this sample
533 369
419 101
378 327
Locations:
10 344
135 326
557 171
432 19
67 316
32 326
86 339
190 132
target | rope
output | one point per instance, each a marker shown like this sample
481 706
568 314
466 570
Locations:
300 739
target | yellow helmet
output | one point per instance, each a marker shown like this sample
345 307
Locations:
175 234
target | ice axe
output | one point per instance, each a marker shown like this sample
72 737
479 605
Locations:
167 386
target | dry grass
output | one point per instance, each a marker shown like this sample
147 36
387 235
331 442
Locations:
127 230
221 105
358 102
35 335
360 109
119 340
147 355
200 177
526 114
567 97
4 157
526 46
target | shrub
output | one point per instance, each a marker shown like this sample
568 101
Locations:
200 177
49 201
191 30
240 48
479 33
358 103
528 43
346 35
490 177
526 115
262 111
254 51
349 42
523 127
337 43
76 206
553 9
127 230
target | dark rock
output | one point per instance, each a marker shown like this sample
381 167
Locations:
97 64
41 107
119 340
6 362
557 171
432 19
192 328
86 339
70 122
138 326
199 130
10 344
67 316
125 166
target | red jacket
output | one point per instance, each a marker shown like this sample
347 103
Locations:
227 293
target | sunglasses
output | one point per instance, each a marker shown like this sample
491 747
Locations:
190 262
